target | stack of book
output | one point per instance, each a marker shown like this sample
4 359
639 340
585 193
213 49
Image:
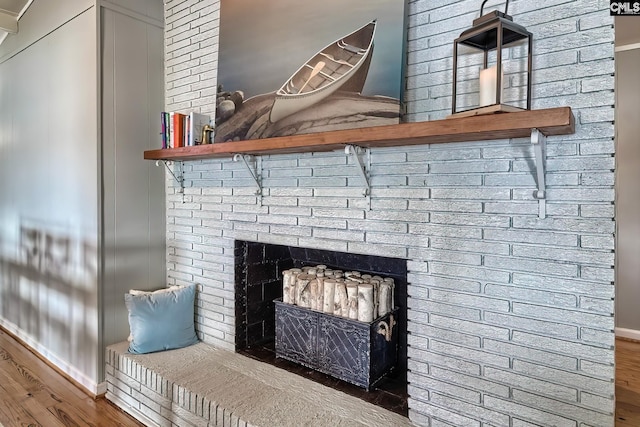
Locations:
183 130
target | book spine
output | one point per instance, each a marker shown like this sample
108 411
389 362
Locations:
187 121
178 131
191 125
162 126
172 130
167 127
163 130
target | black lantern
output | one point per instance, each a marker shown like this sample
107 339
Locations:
493 38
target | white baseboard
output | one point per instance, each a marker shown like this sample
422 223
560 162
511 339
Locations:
101 388
628 333
71 371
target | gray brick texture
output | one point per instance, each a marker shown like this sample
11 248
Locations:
510 316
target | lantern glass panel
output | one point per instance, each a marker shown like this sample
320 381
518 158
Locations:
476 71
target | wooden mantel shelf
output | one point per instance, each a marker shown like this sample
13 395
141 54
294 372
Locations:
552 121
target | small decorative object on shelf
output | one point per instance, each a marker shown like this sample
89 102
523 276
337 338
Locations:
499 85
199 129
207 135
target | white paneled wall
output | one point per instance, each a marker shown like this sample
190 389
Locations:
134 202
49 199
76 195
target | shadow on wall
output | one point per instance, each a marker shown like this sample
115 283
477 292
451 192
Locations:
49 293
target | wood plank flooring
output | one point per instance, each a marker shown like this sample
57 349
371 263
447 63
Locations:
627 383
34 394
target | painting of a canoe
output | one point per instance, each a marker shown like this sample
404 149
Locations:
341 64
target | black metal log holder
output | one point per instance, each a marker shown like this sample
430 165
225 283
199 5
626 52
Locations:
360 353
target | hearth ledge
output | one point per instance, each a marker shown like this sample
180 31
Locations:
204 385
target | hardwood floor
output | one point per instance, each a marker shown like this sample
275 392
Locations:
34 394
627 383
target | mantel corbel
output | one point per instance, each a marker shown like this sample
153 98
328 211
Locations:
539 140
254 170
179 177
362 159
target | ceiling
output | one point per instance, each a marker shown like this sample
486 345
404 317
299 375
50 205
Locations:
627 30
10 12
14 6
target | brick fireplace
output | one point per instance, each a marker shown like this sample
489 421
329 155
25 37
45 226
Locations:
258 273
509 316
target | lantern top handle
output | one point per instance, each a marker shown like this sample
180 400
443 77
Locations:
506 7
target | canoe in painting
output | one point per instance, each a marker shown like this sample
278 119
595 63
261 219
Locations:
341 64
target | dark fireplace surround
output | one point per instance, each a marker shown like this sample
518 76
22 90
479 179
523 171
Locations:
258 273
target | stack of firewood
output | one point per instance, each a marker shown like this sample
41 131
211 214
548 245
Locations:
349 294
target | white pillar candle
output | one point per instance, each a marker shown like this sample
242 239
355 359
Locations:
488 81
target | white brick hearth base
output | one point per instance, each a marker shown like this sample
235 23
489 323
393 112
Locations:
204 386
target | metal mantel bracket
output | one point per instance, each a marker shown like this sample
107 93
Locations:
253 171
179 178
539 147
363 168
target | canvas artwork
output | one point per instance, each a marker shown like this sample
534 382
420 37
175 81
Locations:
288 67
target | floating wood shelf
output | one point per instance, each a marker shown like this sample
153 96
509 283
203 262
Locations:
552 121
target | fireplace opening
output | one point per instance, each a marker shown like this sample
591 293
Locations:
258 273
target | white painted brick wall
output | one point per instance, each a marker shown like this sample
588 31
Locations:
510 316
191 55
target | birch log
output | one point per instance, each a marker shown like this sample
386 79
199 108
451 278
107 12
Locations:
329 292
365 302
286 280
393 291
352 295
320 292
313 294
376 296
295 272
302 290
353 275
385 301
376 291
341 306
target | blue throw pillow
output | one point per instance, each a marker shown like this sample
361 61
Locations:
161 320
